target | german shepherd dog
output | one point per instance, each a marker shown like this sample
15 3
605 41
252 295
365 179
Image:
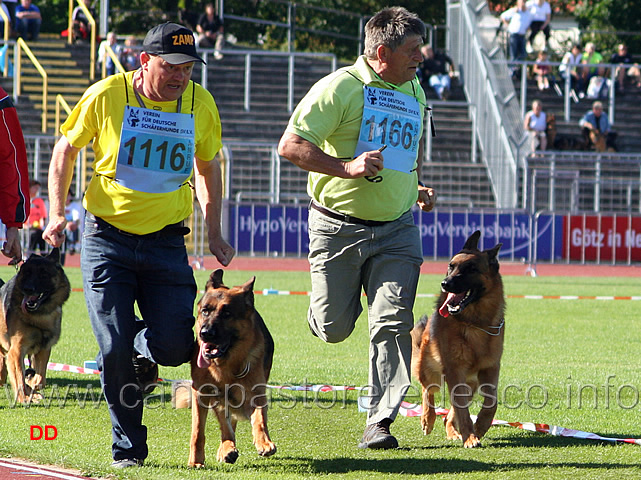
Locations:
229 369
462 343
30 322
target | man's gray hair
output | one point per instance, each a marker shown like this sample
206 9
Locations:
390 27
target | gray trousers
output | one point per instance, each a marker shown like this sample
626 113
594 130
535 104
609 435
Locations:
384 261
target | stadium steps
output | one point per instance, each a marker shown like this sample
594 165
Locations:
67 70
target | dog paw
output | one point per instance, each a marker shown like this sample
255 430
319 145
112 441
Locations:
472 442
227 454
426 426
196 465
266 449
452 433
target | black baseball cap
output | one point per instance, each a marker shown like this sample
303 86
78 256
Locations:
174 43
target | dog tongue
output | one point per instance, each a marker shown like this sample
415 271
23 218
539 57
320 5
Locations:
443 310
203 362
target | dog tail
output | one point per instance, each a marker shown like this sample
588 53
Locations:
417 331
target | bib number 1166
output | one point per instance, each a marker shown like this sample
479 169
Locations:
393 132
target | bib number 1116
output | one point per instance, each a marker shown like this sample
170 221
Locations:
176 157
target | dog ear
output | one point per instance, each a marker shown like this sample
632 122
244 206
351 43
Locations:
248 289
54 255
492 255
216 278
472 242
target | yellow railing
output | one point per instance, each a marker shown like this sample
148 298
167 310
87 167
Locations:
92 22
60 102
119 68
22 45
82 168
5 37
5 20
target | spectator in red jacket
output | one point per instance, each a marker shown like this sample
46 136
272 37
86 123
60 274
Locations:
14 181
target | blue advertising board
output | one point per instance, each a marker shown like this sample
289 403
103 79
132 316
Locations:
282 230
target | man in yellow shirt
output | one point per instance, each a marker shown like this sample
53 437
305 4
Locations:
154 133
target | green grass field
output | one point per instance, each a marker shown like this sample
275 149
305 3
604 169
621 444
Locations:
570 363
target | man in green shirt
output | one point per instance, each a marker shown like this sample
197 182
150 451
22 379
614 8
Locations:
358 133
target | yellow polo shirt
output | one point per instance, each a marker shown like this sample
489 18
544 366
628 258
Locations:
98 117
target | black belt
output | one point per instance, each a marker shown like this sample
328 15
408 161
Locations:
344 218
172 229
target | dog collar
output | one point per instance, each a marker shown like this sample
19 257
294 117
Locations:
245 371
497 329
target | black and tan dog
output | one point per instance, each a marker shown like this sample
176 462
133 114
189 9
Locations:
462 343
230 369
30 322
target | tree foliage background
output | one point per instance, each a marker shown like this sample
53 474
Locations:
595 17
137 16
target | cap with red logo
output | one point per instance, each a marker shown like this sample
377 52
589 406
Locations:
174 43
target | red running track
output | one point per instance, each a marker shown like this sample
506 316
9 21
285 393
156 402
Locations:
13 469
439 268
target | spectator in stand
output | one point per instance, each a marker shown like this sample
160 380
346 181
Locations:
542 71
535 124
541 16
436 70
104 57
569 70
37 219
591 57
596 120
622 57
28 20
211 32
81 25
518 20
130 56
14 181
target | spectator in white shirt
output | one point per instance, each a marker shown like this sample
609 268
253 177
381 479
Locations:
541 16
518 20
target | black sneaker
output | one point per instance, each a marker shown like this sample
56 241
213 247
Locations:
378 435
127 462
146 373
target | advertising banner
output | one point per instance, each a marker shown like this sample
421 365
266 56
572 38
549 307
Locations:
602 238
278 230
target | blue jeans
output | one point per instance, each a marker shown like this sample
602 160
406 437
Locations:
153 271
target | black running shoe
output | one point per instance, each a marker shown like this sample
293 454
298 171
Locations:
378 435
146 373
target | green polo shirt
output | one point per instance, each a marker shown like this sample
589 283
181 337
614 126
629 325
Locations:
329 116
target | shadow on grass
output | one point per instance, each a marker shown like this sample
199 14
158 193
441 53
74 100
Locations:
549 441
413 466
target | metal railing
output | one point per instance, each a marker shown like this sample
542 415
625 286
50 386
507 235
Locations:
6 22
114 58
92 22
582 181
17 78
499 125
250 55
569 96
291 24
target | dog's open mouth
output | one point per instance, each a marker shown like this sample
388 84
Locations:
31 303
455 303
209 351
